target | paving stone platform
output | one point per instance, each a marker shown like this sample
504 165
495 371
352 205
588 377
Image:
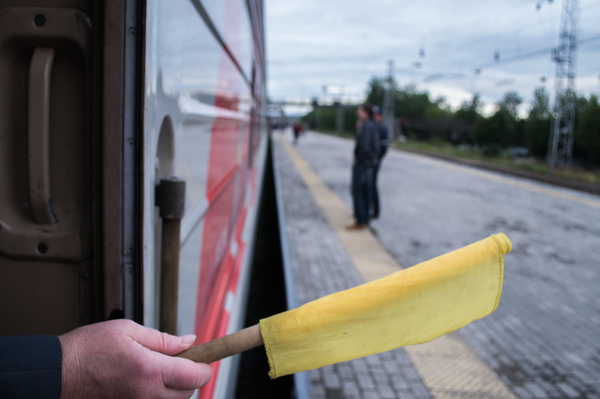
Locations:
321 266
543 341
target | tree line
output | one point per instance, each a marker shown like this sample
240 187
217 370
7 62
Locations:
492 134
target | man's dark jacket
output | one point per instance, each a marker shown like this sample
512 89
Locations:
30 367
368 147
384 138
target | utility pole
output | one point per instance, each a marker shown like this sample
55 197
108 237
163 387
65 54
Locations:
388 101
560 144
339 119
318 117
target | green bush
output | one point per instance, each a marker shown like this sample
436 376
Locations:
491 150
587 134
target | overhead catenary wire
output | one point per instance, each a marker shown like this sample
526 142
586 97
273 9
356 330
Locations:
432 76
536 53
521 48
491 36
361 57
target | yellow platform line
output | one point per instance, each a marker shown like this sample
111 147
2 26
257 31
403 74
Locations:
369 256
447 365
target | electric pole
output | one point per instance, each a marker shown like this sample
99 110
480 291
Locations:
339 119
388 101
560 144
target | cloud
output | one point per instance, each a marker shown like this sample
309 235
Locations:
313 43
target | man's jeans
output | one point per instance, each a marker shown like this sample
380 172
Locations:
362 191
375 198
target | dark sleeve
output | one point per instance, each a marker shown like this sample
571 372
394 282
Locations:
384 135
384 141
30 367
367 143
375 142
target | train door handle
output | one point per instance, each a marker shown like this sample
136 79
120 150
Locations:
40 71
49 156
170 198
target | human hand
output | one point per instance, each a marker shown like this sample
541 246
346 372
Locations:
122 359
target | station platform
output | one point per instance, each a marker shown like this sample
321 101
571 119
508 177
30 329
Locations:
541 342
326 258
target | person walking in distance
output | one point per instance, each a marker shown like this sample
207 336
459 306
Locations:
366 157
297 131
383 145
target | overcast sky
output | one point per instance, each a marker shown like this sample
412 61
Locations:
436 44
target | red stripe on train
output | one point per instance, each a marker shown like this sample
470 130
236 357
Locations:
220 185
219 316
238 267
214 311
227 136
207 391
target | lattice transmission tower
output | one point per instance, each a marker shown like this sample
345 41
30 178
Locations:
388 100
560 145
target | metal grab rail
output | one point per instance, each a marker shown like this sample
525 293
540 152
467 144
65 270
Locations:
38 134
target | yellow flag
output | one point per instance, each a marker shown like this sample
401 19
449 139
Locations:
412 306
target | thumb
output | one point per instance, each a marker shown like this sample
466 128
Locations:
163 342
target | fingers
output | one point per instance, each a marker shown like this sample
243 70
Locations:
125 359
174 394
177 373
184 374
162 342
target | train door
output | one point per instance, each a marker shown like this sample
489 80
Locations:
68 160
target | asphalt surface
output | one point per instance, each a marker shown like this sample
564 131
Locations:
544 338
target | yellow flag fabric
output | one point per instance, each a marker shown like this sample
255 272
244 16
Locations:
412 306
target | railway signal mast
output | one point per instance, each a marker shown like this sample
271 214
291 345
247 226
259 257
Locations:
560 145
388 101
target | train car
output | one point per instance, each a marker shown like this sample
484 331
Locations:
100 101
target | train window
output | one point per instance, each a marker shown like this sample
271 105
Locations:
188 70
232 20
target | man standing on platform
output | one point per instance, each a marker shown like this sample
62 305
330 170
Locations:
366 157
383 140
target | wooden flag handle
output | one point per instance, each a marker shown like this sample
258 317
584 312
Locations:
226 346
